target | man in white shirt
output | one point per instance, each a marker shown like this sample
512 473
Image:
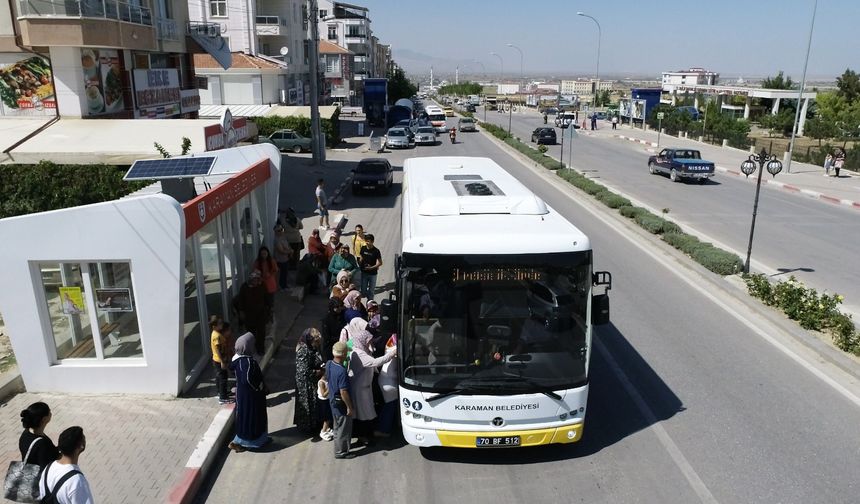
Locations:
63 478
322 203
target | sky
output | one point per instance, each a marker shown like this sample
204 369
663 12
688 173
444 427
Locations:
746 38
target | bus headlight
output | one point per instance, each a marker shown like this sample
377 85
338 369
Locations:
571 434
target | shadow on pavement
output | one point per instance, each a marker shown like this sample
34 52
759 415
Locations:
612 414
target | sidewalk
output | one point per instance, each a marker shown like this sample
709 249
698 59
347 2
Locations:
145 449
804 179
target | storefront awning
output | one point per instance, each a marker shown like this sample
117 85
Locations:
215 111
110 141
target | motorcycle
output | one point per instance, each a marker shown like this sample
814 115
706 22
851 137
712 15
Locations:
453 136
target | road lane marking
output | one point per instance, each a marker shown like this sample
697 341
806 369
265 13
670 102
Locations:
671 448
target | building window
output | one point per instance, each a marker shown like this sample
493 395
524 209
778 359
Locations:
332 32
116 310
332 64
218 8
305 51
323 13
354 31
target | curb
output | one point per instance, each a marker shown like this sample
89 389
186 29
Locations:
782 185
201 459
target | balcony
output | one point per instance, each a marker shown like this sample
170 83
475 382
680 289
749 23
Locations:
166 29
81 23
268 25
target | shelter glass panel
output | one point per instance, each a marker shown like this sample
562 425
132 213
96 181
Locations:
246 230
211 268
193 344
67 310
116 309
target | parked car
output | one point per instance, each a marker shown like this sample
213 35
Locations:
372 174
681 164
426 135
287 139
544 136
466 124
397 138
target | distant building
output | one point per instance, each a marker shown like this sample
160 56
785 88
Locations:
692 77
336 64
508 89
584 87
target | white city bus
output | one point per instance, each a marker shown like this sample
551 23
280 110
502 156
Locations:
493 308
437 118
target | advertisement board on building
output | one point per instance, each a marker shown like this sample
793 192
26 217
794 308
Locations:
293 96
227 134
300 93
26 87
190 100
626 106
157 92
102 72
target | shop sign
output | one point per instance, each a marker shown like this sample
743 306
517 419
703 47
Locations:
209 205
102 74
156 87
190 100
26 88
227 134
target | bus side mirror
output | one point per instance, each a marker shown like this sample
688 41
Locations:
602 278
600 309
388 315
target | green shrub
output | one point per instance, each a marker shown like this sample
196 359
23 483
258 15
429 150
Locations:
819 312
717 260
542 149
613 200
266 125
650 222
631 212
682 241
49 186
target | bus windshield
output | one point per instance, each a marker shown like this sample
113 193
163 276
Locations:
434 117
495 324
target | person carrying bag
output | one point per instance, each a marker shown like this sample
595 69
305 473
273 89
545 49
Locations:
51 496
22 479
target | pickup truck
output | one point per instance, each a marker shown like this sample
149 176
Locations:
681 164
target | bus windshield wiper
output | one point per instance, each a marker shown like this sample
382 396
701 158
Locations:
443 395
540 388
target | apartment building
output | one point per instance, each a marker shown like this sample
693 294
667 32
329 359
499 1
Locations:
382 58
584 87
694 76
348 26
274 30
336 63
100 58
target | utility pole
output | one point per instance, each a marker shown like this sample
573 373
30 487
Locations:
317 145
457 75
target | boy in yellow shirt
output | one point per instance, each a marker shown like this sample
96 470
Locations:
220 342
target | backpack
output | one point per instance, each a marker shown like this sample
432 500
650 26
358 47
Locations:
51 496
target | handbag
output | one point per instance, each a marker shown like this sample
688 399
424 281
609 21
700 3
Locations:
22 479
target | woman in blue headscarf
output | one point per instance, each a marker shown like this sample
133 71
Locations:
252 423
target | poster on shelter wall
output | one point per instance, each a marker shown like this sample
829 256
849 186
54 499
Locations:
114 299
26 86
72 300
102 81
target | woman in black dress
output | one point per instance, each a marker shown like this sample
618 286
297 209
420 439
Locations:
34 419
308 372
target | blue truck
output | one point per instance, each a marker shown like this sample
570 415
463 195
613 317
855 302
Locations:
402 110
681 164
375 101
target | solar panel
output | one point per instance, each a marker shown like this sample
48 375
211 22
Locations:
167 168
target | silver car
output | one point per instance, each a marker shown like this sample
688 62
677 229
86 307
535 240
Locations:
466 124
397 138
425 135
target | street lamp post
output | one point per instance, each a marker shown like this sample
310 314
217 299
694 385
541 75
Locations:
563 123
522 80
501 66
800 91
760 162
597 72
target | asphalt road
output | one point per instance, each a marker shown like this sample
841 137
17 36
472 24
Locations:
795 235
687 404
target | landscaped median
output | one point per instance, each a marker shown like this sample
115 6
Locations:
800 303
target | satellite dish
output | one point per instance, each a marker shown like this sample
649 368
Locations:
284 50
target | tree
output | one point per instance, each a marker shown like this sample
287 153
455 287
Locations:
820 128
849 85
783 122
462 89
399 86
778 82
601 98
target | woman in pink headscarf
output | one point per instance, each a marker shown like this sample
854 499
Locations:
354 306
361 366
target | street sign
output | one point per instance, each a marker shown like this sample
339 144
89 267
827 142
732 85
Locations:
660 115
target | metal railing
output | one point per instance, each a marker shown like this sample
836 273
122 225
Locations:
104 9
204 29
166 29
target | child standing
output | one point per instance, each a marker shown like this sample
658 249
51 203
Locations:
325 409
828 162
220 342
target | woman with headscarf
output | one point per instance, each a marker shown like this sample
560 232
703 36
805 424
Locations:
341 288
354 307
252 423
332 324
361 366
308 372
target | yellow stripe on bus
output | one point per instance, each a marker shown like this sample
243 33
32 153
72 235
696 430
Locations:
466 439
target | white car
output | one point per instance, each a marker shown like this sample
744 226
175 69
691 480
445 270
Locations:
425 135
397 138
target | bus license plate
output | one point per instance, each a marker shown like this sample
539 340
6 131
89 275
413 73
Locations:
497 442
